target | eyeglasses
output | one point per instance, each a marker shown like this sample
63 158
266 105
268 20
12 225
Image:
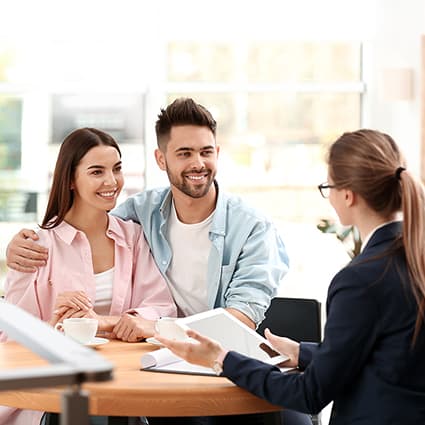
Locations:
324 189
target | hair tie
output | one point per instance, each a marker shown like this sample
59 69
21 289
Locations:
398 172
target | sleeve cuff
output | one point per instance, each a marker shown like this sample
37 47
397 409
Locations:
221 356
307 350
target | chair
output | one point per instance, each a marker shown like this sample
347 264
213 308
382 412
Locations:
295 318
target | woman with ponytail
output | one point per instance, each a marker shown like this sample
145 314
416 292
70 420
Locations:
371 362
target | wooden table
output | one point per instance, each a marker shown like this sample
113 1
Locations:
133 392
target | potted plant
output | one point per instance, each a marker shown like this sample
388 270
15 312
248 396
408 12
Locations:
349 236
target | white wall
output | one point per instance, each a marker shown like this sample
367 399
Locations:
68 40
394 43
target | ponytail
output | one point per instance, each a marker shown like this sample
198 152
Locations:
370 164
413 207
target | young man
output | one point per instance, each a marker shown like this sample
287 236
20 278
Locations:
213 250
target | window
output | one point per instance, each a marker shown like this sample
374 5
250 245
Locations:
119 114
278 106
10 132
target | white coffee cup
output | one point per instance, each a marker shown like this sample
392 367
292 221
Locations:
170 329
81 329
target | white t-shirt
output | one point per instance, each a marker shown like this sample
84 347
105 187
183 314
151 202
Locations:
104 282
190 246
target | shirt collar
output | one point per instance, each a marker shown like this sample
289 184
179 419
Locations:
115 231
165 207
68 233
218 224
369 236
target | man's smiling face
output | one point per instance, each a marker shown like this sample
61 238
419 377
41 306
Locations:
190 159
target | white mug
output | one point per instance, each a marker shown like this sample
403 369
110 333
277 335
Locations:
81 329
170 329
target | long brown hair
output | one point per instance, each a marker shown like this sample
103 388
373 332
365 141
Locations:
72 150
370 163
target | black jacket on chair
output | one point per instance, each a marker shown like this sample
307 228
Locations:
366 363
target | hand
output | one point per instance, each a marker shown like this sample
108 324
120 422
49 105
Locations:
132 328
203 352
23 254
76 300
65 313
284 346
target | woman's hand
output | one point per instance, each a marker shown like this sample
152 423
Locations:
65 313
284 346
76 300
203 351
72 304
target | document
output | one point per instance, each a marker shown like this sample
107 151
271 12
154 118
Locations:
163 360
221 326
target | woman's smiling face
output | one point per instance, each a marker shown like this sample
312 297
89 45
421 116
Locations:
98 178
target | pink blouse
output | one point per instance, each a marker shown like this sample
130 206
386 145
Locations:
138 285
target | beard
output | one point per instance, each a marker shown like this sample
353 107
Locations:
191 188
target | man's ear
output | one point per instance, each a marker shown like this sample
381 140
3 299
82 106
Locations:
160 159
217 148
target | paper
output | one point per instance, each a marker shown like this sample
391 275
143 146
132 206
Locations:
163 360
221 326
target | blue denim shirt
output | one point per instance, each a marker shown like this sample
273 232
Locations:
247 259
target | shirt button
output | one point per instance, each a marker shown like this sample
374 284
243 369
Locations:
164 262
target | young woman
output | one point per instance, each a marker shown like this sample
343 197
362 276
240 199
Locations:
98 266
371 361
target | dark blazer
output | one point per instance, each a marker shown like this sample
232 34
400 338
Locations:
366 363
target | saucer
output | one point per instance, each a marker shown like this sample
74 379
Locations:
97 341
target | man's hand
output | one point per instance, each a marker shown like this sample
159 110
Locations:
23 254
284 346
133 328
203 352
